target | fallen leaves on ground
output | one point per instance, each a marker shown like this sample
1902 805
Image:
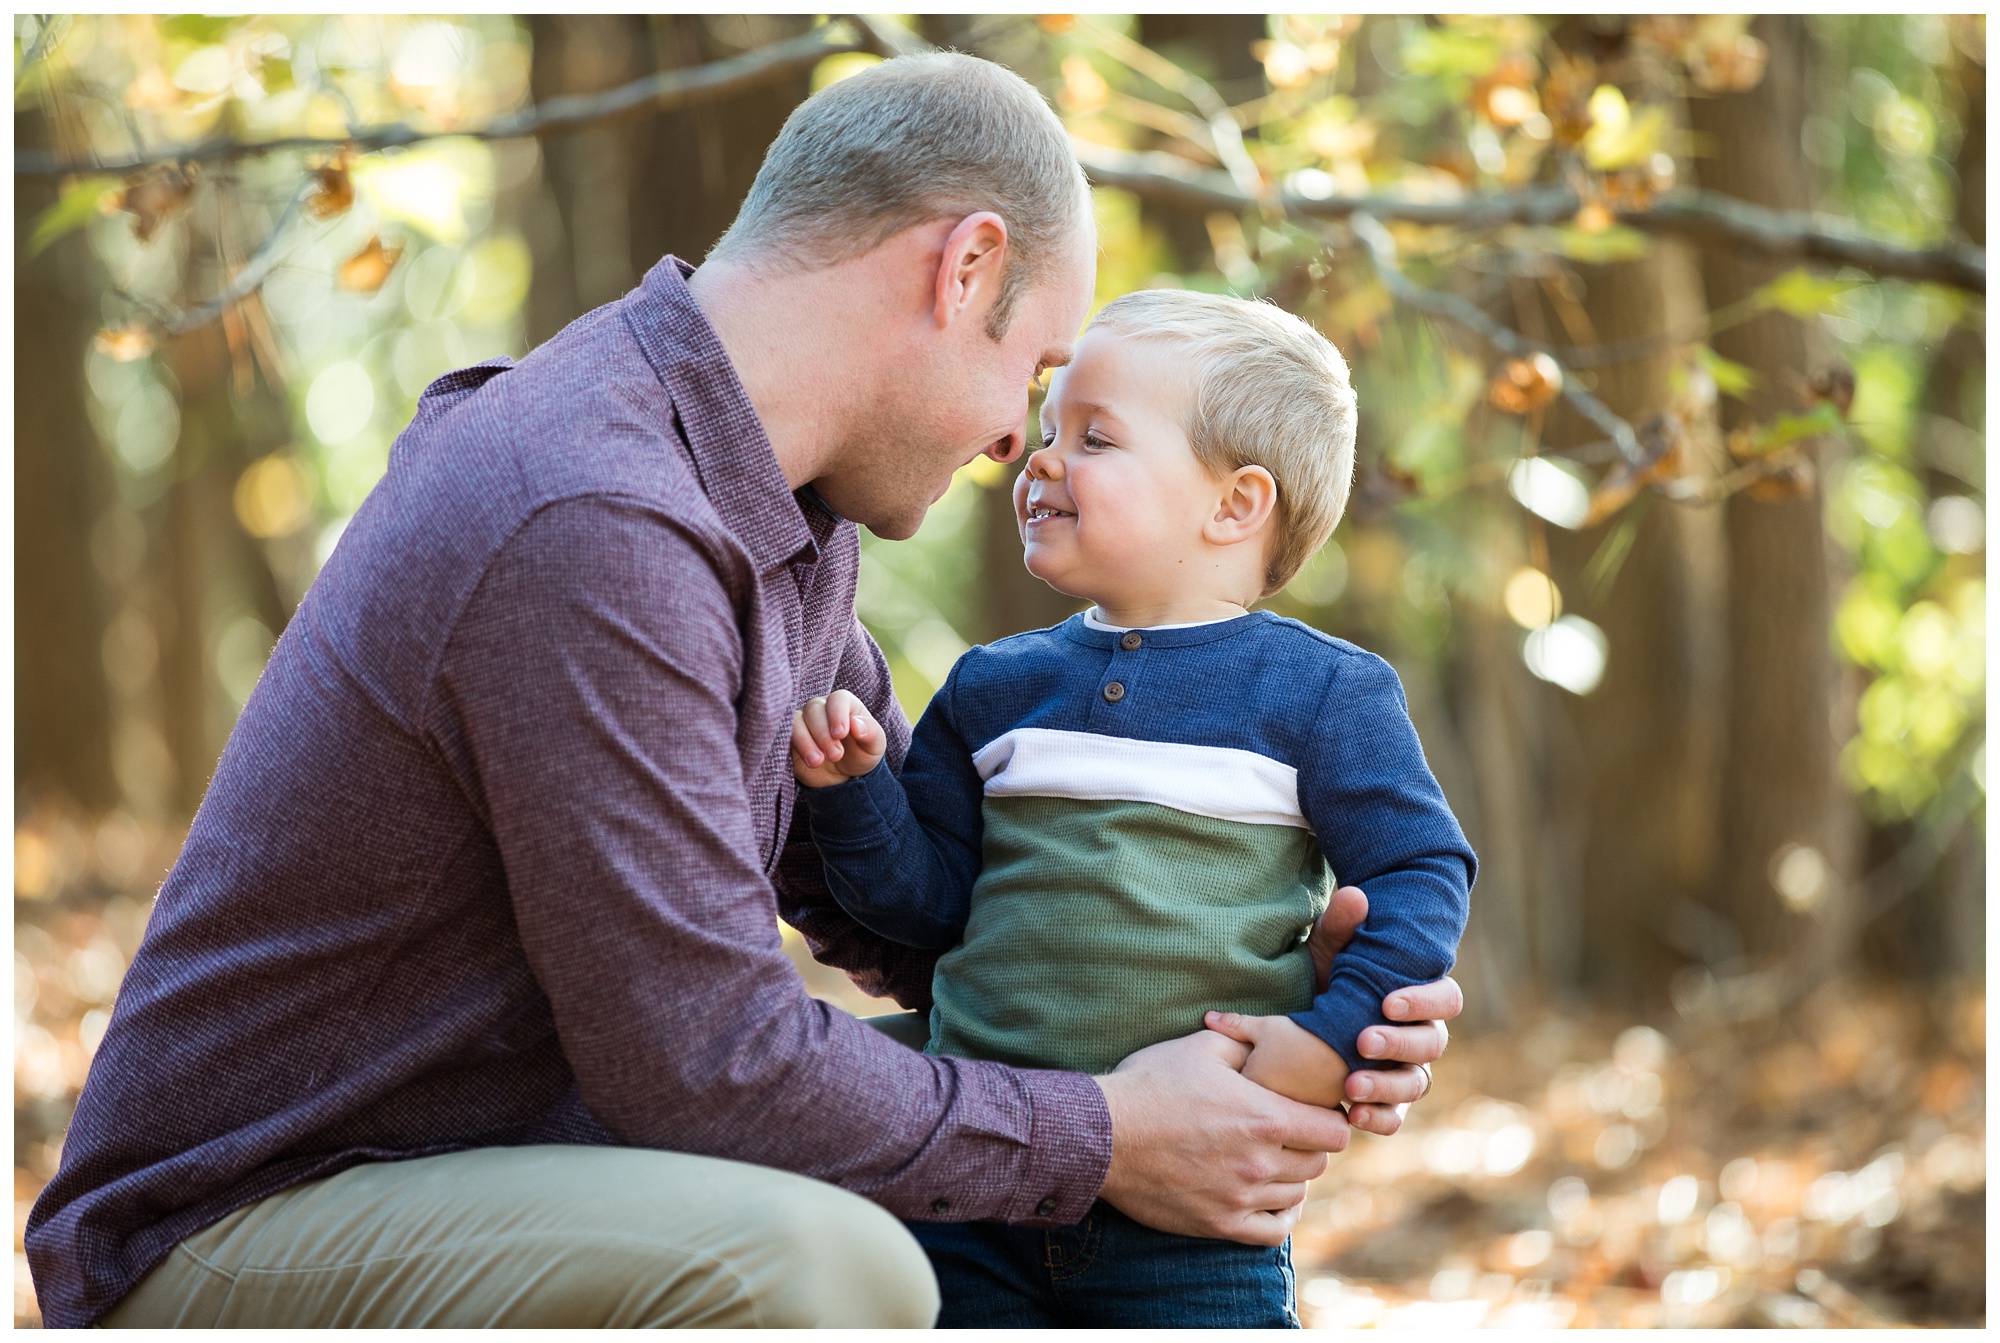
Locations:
1823 1166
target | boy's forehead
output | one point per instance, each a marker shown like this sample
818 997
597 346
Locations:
1109 362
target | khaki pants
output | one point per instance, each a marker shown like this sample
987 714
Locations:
546 1236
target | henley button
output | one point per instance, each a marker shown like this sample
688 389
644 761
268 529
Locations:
1046 1208
1131 640
940 1206
1114 692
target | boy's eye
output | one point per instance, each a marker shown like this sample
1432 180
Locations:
1092 440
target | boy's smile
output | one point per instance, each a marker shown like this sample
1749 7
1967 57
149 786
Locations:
1115 506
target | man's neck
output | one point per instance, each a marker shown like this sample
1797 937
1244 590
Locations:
783 334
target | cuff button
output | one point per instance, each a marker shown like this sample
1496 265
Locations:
1046 1208
940 1206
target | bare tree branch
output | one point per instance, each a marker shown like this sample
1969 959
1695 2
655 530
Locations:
51 28
887 38
1699 215
171 321
656 92
1224 134
249 279
1382 250
1163 178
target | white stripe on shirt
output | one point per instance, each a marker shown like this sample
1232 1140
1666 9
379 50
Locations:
1217 781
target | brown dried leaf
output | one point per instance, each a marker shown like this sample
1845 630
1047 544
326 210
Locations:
154 195
1728 66
1525 385
1789 479
125 343
335 195
1660 459
1595 217
1835 386
368 269
1566 98
1506 97
1623 191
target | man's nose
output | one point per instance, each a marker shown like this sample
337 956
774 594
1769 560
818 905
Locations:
1008 448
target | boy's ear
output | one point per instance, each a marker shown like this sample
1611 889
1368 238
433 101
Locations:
1249 497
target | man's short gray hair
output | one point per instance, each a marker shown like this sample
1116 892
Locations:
908 141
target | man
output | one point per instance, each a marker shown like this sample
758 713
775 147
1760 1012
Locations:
465 1003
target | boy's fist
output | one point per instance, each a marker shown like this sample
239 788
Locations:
1285 1057
833 740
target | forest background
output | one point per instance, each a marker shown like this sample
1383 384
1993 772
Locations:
1669 336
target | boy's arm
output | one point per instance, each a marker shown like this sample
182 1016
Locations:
903 871
1383 825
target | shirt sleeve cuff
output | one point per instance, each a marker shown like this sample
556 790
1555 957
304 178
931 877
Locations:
1069 1150
859 811
1338 1017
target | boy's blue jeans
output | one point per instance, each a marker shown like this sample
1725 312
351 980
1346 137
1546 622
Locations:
1106 1272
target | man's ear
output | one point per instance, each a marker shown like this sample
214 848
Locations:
1248 498
969 272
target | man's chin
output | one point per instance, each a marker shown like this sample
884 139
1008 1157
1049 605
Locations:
898 525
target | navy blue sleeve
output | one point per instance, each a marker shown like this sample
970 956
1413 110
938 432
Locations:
901 854
1384 826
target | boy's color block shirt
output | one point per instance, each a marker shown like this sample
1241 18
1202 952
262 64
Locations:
1116 831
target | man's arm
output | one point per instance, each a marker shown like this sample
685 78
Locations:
591 683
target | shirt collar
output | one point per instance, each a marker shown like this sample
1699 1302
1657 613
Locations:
1097 634
732 455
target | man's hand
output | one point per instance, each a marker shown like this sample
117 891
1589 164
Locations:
1379 1096
834 740
1285 1057
1198 1149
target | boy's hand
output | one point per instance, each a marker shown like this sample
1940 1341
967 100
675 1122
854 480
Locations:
834 740
1286 1058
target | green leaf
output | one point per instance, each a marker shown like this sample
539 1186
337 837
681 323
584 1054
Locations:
1821 419
1802 294
1602 570
200 29
1450 53
78 205
1731 378
276 75
1617 243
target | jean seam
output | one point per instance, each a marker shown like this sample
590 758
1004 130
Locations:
1088 1245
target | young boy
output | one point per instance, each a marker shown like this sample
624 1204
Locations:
1122 827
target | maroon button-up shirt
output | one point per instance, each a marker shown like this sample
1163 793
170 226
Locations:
497 851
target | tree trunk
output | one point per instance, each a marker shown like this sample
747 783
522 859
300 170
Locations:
1779 783
623 194
61 699
1949 911
1645 745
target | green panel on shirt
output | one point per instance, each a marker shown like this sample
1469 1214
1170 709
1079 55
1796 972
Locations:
1098 928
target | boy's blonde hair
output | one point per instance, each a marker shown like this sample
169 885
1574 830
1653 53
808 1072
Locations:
1268 391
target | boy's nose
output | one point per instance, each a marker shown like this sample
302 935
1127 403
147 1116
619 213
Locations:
1045 464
